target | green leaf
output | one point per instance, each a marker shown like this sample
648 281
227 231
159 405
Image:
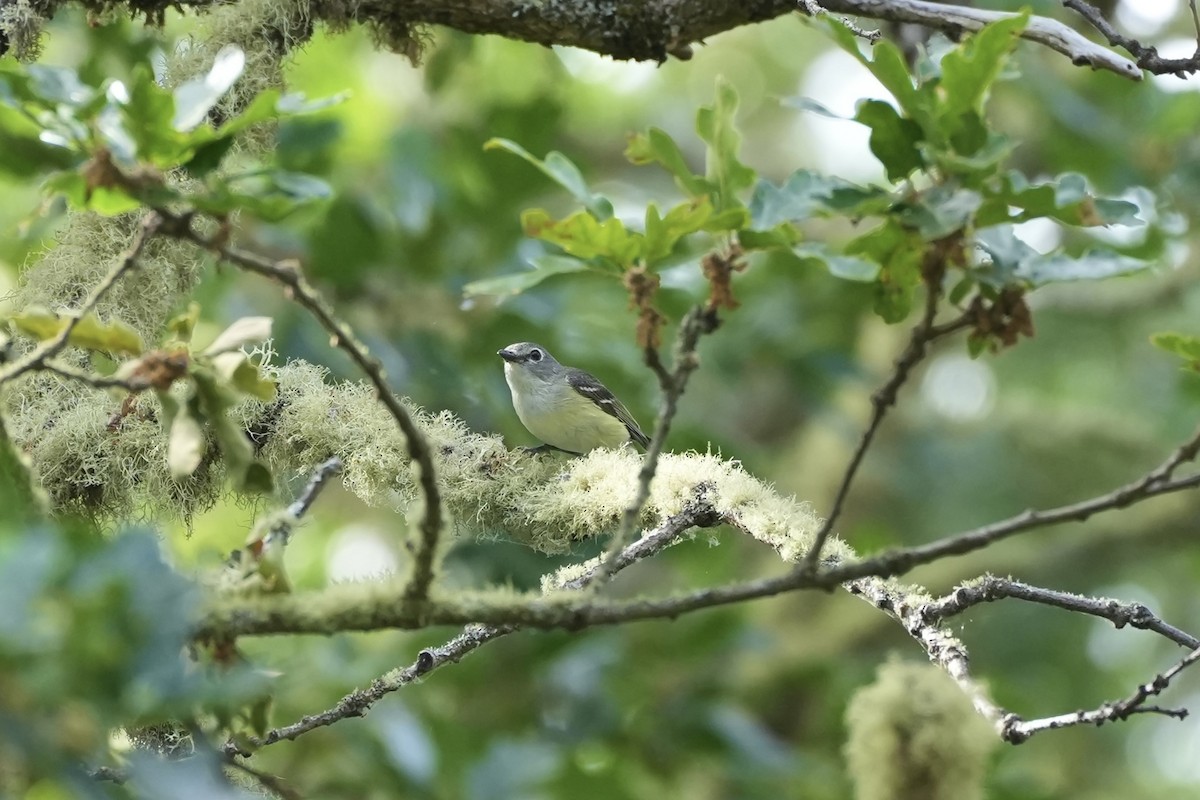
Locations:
663 233
22 499
215 401
147 116
23 154
894 139
1067 199
584 236
90 333
270 195
656 146
716 125
969 70
899 251
195 98
58 85
208 156
890 69
562 171
851 268
1091 266
238 371
782 235
543 267
806 194
941 211
1182 345
1014 261
182 325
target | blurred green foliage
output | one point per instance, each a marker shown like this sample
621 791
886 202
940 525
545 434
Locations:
741 702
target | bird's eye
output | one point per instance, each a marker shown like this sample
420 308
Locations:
535 355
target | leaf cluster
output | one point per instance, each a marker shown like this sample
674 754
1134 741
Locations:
947 219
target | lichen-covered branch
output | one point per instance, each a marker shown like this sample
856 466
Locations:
698 513
287 274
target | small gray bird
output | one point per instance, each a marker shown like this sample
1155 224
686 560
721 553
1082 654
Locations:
566 408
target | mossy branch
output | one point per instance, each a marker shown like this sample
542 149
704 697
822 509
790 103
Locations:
300 291
651 30
698 513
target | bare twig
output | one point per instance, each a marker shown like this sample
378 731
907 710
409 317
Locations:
1147 56
278 527
990 588
1011 727
316 483
814 9
699 320
922 334
954 19
126 262
358 702
1017 730
1158 481
287 273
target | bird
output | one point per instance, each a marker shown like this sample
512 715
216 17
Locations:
566 408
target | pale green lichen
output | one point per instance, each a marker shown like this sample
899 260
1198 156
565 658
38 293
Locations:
85 251
93 462
548 501
913 735
22 25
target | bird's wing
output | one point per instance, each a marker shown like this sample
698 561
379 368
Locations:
587 385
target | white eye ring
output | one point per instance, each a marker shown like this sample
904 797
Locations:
535 355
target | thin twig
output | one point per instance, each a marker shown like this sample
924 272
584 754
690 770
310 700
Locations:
288 274
1147 56
1158 481
133 385
922 334
126 263
696 323
699 513
991 588
954 19
320 477
1017 730
813 9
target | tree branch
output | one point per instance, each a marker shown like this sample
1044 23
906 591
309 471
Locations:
990 588
287 273
699 513
1156 482
650 30
375 606
1016 730
1147 57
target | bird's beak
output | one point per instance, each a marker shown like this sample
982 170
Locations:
508 355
